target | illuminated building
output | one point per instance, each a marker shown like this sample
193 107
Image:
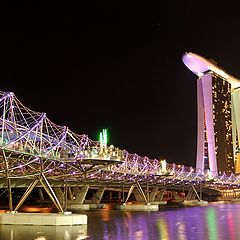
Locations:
218 103
237 162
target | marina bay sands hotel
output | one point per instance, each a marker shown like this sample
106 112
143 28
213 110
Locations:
218 120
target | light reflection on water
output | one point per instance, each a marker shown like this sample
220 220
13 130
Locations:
212 222
23 232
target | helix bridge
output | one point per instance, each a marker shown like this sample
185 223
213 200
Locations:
35 151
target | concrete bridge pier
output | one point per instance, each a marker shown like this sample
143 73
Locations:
156 196
70 193
95 202
138 193
98 195
191 194
141 197
78 202
193 198
160 194
138 196
80 194
153 194
75 191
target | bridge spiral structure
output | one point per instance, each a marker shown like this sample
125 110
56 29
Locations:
33 147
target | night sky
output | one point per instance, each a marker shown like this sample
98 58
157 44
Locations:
118 66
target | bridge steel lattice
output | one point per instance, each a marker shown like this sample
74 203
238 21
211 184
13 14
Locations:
35 149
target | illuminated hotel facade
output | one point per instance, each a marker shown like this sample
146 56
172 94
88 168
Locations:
218 105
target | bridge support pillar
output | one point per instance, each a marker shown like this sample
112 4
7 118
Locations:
153 194
60 195
138 193
161 194
129 193
119 196
26 194
10 200
98 195
192 194
75 191
40 193
47 187
70 194
191 198
138 196
176 197
80 195
49 190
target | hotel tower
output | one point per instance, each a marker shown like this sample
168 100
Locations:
218 118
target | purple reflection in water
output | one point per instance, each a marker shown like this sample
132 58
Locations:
215 221
212 222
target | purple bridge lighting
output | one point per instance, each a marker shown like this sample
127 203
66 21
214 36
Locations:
36 152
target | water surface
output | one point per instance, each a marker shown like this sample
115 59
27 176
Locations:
213 222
